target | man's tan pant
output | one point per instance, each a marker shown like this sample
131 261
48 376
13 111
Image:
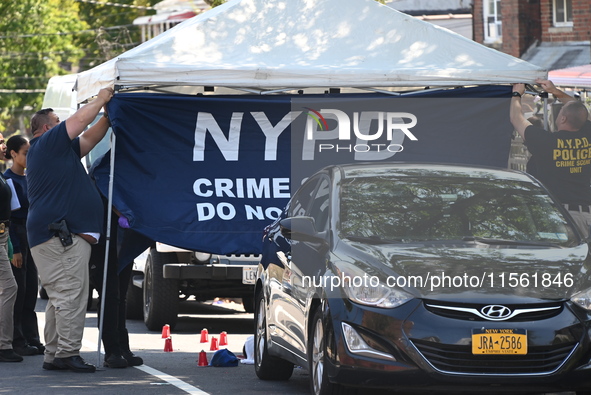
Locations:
8 290
64 275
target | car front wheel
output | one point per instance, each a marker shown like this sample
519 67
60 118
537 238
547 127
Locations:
266 366
319 383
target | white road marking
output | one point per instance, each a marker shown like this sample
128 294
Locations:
180 384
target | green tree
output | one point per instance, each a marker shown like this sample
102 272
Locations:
114 32
215 3
35 44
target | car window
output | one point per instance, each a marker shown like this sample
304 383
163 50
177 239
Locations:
301 200
444 208
319 208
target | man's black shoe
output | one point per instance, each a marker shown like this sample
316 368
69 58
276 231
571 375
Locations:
40 347
51 366
115 361
75 364
9 356
132 359
27 350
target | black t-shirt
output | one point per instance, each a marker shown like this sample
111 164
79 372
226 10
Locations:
562 162
5 197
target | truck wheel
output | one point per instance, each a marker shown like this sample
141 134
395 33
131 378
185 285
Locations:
248 304
134 302
161 296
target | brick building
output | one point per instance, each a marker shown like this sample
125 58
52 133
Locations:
553 34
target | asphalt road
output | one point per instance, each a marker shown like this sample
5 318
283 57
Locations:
174 372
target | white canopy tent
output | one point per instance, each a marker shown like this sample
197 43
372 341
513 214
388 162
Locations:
576 78
264 45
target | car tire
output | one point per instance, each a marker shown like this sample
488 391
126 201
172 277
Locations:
248 304
266 366
161 295
134 302
317 355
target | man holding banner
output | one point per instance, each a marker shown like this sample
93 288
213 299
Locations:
65 218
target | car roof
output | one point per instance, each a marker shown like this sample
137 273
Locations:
408 169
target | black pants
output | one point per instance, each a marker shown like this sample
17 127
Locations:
26 330
124 279
110 316
115 336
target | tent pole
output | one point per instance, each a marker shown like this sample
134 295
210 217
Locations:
107 246
545 101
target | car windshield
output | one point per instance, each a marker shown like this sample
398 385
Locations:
407 209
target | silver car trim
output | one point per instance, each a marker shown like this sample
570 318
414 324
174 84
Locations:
288 350
477 313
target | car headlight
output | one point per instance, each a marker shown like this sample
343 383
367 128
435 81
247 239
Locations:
369 290
583 299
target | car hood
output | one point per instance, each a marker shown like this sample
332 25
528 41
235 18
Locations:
452 272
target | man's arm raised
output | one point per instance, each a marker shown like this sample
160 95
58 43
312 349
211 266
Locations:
76 124
85 115
549 87
91 137
516 114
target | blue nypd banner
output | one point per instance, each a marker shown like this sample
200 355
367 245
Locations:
208 173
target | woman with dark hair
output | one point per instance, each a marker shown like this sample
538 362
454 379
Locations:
8 286
26 333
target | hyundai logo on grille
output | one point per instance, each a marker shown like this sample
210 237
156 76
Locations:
495 311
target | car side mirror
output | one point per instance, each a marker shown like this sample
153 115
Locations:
300 229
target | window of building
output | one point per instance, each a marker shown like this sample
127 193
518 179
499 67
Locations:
563 12
492 20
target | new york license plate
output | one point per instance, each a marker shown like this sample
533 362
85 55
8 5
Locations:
499 341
